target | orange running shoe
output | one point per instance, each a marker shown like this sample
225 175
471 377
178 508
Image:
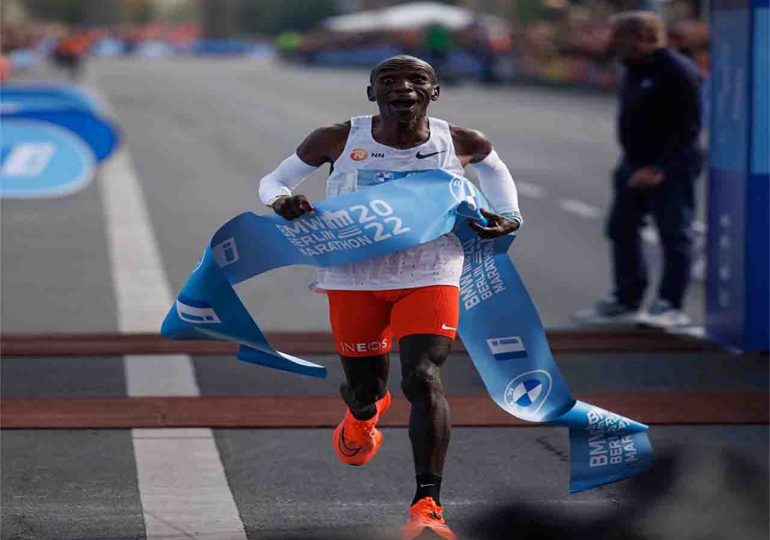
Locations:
383 404
426 514
357 441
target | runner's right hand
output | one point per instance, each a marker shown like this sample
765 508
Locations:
292 207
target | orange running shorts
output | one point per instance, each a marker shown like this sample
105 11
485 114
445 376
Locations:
365 322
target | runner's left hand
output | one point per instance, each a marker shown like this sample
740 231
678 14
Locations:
496 226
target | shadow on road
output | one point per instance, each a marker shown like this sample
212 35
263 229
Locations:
709 496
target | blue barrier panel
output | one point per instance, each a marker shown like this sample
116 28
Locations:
38 159
154 49
101 135
71 94
108 47
24 102
737 280
228 47
355 57
24 59
757 310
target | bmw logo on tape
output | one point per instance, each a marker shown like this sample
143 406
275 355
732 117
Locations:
525 395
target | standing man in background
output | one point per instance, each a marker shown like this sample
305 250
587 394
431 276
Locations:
658 130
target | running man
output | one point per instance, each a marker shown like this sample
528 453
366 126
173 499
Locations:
412 295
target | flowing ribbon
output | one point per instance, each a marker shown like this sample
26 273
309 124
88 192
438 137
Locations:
499 324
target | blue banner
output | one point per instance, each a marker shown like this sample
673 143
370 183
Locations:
42 160
499 324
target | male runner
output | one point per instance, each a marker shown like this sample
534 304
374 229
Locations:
412 294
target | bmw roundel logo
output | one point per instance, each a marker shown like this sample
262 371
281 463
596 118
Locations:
525 395
381 177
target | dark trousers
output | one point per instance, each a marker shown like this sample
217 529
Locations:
672 204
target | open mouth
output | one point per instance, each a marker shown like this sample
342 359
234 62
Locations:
403 104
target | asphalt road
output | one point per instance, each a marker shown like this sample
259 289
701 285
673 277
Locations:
500 483
200 134
709 482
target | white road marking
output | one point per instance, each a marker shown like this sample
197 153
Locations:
182 483
579 208
533 191
171 433
142 292
183 488
156 375
141 288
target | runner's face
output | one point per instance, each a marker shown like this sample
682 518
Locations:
404 92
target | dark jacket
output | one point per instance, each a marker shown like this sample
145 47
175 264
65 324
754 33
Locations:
660 109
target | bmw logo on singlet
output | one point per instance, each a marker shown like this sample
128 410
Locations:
373 177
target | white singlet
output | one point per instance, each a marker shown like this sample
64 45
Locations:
364 163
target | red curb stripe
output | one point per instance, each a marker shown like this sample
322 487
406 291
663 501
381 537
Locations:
313 343
315 412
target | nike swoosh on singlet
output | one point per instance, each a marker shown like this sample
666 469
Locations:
423 156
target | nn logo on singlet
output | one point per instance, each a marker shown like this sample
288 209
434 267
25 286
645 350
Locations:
359 154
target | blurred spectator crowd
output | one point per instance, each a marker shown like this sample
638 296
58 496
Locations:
25 45
568 49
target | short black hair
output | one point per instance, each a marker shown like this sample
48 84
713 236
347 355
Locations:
401 61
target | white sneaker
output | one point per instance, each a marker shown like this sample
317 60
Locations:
663 315
607 312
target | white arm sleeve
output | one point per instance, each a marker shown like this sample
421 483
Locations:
284 179
498 187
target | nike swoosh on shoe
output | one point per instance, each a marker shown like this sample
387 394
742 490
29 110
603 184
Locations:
347 450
